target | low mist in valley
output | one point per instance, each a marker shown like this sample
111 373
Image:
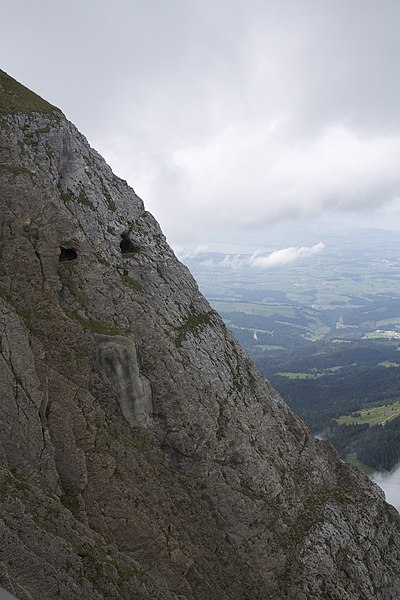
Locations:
390 483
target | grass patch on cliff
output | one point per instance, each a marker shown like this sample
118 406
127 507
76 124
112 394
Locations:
16 98
46 527
126 572
108 198
69 196
313 514
101 260
84 200
66 273
194 322
27 316
11 482
4 489
70 499
93 326
136 286
93 563
15 170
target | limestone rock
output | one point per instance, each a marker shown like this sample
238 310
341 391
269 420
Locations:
142 454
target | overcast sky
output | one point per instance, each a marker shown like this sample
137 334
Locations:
227 115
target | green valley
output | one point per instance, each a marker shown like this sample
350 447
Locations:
324 330
376 415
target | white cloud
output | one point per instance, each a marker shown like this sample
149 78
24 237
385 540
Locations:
184 253
251 175
274 259
285 256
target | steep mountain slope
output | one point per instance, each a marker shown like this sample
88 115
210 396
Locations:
142 454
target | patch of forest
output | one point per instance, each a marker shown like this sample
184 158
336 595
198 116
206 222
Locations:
359 383
377 446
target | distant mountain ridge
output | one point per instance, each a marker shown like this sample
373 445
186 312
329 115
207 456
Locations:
142 454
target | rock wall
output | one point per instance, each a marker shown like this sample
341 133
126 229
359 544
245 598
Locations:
142 454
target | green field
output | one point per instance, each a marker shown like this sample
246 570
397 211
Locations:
371 335
299 375
378 415
255 308
387 363
268 347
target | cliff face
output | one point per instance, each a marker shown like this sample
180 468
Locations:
142 455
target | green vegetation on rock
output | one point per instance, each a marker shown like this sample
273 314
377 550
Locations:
69 196
84 200
94 326
135 285
126 572
15 169
194 322
110 202
16 98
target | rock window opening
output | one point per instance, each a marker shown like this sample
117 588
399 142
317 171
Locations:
67 254
127 247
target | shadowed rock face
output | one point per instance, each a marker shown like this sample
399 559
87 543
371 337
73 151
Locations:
204 487
67 254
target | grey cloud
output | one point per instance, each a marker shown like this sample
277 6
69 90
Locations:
205 105
252 174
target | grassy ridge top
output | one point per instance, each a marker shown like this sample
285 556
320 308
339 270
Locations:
16 98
